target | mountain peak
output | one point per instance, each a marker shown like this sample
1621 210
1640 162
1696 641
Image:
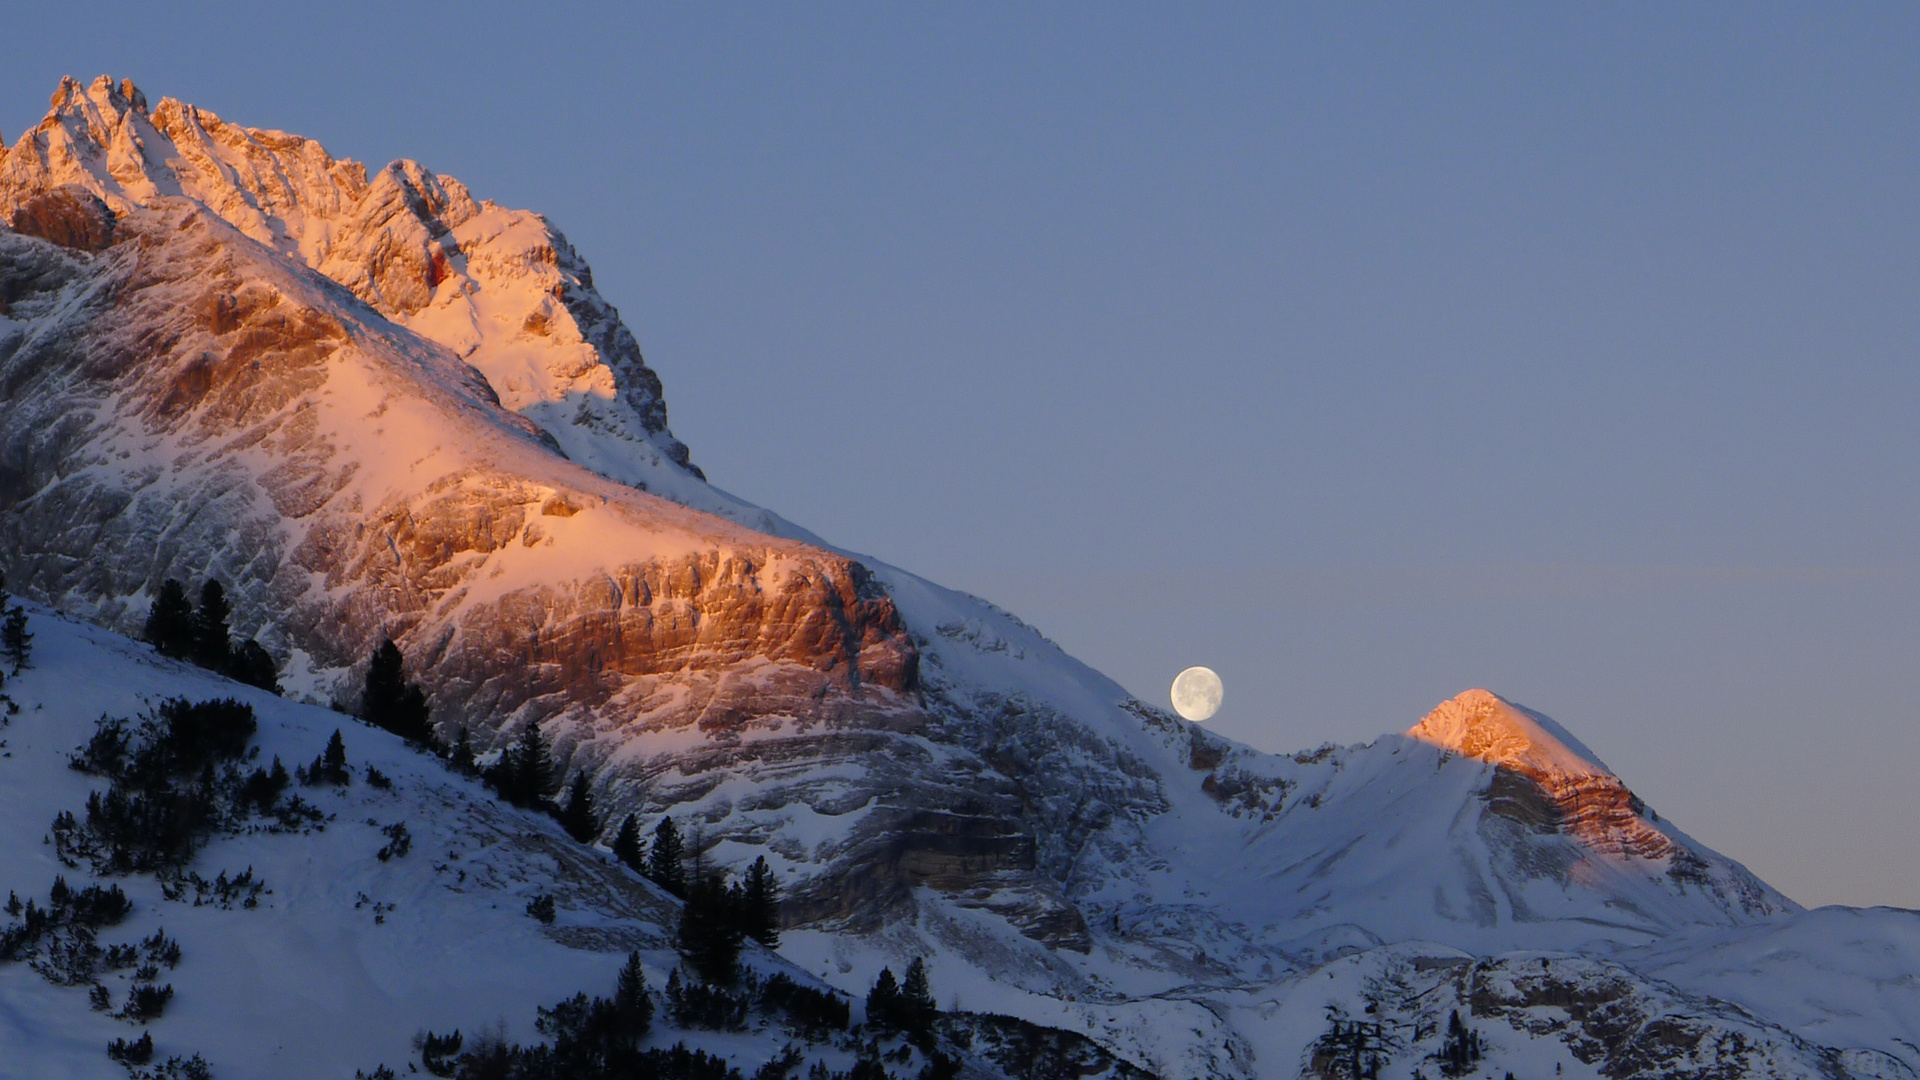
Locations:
501 288
1484 725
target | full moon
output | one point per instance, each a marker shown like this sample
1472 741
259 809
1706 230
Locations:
1196 693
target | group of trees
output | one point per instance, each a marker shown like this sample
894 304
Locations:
1353 1049
720 914
200 635
523 773
907 1007
167 785
1461 1049
590 1038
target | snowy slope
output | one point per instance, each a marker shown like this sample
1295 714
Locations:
316 981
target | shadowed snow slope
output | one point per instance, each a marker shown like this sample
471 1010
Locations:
376 406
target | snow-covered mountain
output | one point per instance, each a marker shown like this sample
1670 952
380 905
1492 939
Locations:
379 407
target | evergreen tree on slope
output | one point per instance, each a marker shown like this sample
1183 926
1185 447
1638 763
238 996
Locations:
665 858
760 904
577 816
626 845
207 629
15 640
390 701
170 621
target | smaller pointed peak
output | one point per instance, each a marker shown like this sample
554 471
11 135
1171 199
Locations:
1484 725
116 98
69 86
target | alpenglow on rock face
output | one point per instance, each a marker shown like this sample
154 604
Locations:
372 405
187 397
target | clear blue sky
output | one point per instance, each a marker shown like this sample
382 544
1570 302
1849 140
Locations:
1364 354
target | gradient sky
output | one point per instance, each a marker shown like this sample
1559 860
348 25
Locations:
1364 354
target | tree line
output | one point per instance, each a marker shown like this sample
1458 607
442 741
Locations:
199 634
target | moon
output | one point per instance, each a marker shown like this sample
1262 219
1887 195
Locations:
1196 693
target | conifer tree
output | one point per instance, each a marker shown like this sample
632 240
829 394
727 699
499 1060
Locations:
461 757
15 640
626 845
336 760
390 701
523 775
533 772
883 1001
709 933
577 816
208 627
665 865
253 664
631 1002
760 904
331 766
170 621
916 998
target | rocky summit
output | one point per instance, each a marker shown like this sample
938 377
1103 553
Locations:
373 406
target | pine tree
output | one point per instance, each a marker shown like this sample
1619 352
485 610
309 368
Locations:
252 664
390 701
709 933
461 758
533 772
208 627
577 816
522 775
917 1009
170 621
15 641
415 719
665 865
631 1002
331 766
335 758
883 1001
626 845
760 904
